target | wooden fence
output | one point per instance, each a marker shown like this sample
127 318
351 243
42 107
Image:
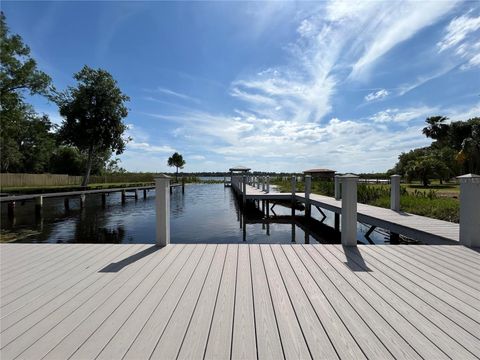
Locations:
22 180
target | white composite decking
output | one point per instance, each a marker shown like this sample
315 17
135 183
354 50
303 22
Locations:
417 227
239 301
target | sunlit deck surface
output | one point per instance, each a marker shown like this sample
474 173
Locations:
81 301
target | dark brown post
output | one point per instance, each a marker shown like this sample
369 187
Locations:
11 209
66 203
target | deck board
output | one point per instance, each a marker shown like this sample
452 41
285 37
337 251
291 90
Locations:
242 301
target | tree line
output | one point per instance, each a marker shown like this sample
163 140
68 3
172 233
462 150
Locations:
455 150
92 111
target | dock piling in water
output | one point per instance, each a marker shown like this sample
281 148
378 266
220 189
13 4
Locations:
294 188
308 189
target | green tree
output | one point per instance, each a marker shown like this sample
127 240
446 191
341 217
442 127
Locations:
426 168
436 128
93 113
176 160
19 75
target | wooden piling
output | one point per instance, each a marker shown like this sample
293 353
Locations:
124 197
82 201
104 199
183 185
308 189
38 205
294 188
11 209
144 194
66 203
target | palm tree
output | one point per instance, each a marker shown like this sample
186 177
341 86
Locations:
436 128
176 160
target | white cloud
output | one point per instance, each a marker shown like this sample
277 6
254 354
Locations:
461 37
146 147
403 115
171 93
377 95
394 23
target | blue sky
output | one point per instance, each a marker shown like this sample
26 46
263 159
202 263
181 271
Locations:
279 86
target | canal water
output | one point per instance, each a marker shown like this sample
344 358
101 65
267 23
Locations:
205 213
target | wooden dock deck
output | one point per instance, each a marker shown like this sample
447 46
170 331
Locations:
239 301
429 230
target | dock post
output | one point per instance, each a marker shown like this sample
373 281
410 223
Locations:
308 189
66 203
135 192
469 210
82 201
162 206
183 185
144 194
263 183
38 205
395 192
349 209
11 209
124 197
338 193
104 199
268 184
244 190
294 188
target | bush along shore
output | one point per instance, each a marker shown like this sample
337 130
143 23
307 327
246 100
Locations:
419 202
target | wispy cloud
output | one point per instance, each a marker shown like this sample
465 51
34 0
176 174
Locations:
462 37
377 95
171 93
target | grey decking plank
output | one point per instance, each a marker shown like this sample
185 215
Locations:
435 312
343 341
20 339
373 310
16 256
463 252
220 336
428 340
121 302
205 281
397 264
368 341
112 295
268 339
113 338
450 254
439 280
243 337
293 341
43 277
464 278
35 269
145 343
318 341
196 337
49 298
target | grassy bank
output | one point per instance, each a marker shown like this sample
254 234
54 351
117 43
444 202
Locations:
414 200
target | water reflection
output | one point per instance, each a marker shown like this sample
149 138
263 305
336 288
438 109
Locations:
205 213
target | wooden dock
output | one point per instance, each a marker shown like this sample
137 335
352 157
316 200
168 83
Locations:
239 301
418 227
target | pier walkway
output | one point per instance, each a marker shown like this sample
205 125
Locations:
428 230
239 301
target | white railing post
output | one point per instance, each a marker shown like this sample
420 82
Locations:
349 210
263 183
395 192
162 206
338 193
308 189
469 210
268 184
